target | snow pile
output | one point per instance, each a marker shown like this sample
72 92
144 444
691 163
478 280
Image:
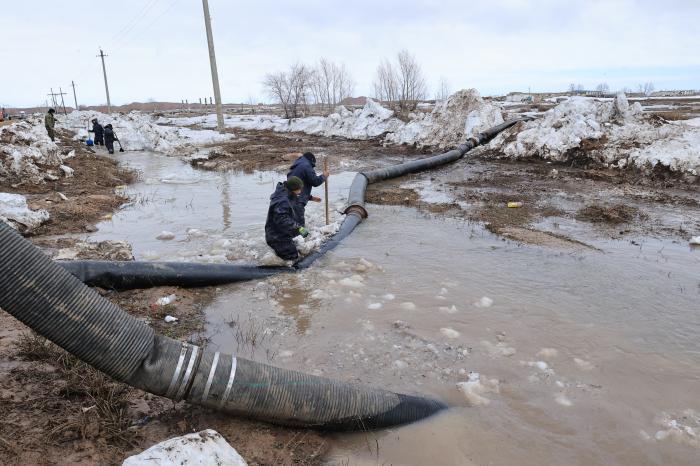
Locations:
26 152
449 124
608 131
370 121
138 131
202 448
462 115
15 212
475 388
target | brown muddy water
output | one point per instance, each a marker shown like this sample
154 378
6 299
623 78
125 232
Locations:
545 356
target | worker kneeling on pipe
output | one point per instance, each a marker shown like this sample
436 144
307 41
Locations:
285 219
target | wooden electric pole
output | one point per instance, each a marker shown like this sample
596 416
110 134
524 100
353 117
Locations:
74 97
212 63
104 72
63 103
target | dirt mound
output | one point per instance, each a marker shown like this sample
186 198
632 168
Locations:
614 215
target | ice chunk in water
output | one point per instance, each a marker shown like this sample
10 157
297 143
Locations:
449 332
374 306
166 235
352 282
547 353
563 400
485 301
408 306
450 310
584 365
474 389
389 297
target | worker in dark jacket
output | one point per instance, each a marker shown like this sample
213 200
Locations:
50 122
303 168
109 138
99 132
285 219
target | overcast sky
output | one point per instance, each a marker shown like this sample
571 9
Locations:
157 48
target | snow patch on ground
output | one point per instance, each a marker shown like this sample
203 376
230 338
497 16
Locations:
15 212
27 154
611 132
139 131
202 448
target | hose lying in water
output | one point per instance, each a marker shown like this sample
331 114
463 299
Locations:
127 275
54 303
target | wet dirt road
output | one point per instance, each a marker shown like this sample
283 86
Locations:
569 356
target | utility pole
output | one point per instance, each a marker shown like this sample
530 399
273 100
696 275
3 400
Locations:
53 97
63 103
74 97
212 63
104 72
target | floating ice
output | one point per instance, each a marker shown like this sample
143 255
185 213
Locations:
374 306
389 297
399 364
474 389
195 233
584 365
286 354
547 353
485 301
682 428
166 235
450 310
352 282
407 306
499 349
449 332
563 400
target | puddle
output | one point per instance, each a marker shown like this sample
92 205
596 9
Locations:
578 353
214 217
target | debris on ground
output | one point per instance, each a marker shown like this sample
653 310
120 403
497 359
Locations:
170 319
165 300
203 448
76 249
16 213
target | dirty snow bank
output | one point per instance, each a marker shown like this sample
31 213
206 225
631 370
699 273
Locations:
27 154
608 131
207 447
460 116
138 131
15 212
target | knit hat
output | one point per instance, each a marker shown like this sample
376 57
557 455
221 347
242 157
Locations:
310 157
294 183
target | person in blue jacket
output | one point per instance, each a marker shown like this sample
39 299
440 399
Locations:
285 218
303 168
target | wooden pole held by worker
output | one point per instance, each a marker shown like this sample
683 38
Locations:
325 185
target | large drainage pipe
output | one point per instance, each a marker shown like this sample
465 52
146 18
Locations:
55 304
127 275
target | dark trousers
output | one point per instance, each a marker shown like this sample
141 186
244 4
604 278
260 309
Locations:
51 132
286 250
99 141
110 145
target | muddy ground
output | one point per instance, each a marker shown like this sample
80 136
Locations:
267 150
59 411
91 192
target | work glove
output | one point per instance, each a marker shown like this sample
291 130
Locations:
303 232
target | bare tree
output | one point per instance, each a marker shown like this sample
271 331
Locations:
290 89
443 91
402 85
646 88
572 88
602 89
330 84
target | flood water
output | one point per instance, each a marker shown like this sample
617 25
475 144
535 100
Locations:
574 357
